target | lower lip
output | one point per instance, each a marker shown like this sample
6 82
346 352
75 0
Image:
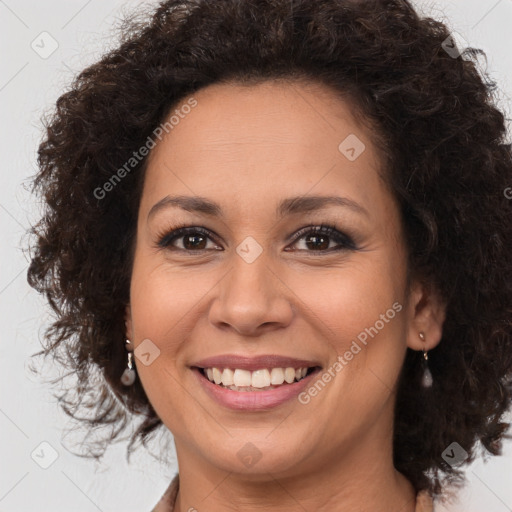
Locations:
253 400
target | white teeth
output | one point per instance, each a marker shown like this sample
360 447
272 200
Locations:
217 376
277 376
260 378
242 378
227 377
257 379
289 375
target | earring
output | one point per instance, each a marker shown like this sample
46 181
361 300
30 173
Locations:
128 377
426 379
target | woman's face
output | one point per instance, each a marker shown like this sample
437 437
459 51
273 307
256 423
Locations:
247 286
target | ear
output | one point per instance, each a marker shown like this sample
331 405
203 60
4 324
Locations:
426 313
128 323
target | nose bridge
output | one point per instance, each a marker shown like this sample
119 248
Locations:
251 295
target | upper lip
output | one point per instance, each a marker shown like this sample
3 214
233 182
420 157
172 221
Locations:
253 363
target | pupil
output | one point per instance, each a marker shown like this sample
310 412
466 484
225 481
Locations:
317 238
196 238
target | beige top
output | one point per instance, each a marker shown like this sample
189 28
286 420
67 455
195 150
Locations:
424 502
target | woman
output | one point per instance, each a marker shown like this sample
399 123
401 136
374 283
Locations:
292 214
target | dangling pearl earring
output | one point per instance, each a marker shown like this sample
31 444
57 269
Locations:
426 379
128 377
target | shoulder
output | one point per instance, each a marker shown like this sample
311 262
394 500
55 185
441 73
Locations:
166 502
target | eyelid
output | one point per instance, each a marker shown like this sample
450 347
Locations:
179 231
329 230
344 240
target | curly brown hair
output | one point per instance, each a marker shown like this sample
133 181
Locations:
446 159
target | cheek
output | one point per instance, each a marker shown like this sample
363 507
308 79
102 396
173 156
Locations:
165 299
161 302
358 312
348 298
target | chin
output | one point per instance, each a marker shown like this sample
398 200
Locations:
257 457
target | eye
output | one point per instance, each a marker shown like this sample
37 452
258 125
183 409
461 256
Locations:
319 238
316 239
192 239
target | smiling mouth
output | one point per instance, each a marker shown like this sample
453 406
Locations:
264 379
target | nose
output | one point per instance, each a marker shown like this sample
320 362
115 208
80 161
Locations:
252 299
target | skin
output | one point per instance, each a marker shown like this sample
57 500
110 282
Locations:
247 148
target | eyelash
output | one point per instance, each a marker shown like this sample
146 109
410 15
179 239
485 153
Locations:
345 242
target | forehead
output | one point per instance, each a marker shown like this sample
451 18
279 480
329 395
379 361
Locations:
264 141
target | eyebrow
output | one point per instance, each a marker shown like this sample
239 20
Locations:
289 206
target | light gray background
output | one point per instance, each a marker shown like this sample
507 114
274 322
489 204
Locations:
29 85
